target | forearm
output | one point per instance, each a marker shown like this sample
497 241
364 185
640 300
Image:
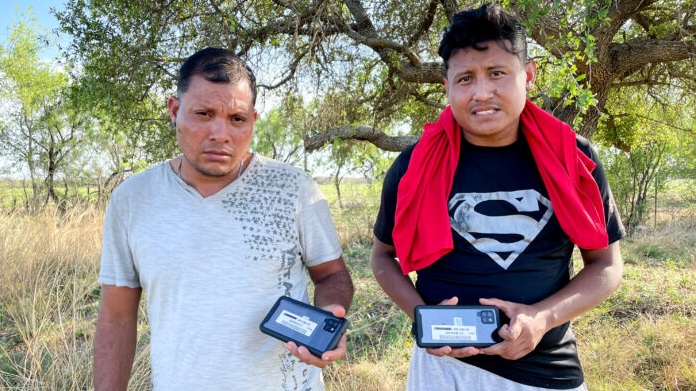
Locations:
394 283
114 349
336 288
590 287
114 342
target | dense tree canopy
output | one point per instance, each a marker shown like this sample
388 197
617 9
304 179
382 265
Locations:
371 66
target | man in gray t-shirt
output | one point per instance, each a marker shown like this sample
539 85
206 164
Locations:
214 237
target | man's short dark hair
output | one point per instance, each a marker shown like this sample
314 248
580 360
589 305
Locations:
215 65
470 28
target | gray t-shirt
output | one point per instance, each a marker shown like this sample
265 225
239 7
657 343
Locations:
212 267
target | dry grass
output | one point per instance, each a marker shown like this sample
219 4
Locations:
642 338
48 265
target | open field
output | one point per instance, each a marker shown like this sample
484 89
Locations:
642 338
18 194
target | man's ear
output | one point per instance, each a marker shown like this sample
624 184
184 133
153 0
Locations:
173 107
530 71
254 118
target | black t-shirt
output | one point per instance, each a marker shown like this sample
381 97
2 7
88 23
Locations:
508 245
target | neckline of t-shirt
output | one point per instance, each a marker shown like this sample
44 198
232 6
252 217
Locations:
521 141
237 182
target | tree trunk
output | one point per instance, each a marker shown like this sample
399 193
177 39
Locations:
50 176
337 184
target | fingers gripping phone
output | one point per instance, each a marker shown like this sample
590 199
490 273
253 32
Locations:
456 326
306 325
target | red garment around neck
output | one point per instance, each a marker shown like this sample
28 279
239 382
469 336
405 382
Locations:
422 232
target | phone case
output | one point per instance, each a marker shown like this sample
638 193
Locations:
456 326
306 325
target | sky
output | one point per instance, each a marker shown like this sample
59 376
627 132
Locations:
11 10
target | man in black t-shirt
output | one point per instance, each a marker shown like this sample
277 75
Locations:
487 209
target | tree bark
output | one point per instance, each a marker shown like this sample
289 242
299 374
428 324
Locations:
380 139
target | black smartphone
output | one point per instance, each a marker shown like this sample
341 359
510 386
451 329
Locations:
456 326
304 324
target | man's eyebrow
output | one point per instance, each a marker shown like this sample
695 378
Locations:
463 72
200 105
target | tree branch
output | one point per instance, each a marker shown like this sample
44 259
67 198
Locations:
619 13
637 53
545 28
451 8
641 82
364 32
668 124
429 102
429 72
292 69
424 25
365 133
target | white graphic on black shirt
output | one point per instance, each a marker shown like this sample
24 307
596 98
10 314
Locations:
480 228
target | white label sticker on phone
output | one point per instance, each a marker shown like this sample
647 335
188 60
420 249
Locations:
453 333
301 324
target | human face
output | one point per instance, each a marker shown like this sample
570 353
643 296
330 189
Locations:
214 122
487 91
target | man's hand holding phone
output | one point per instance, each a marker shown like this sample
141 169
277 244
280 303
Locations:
524 332
328 356
457 331
314 335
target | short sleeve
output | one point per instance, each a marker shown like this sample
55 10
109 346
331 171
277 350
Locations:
384 224
117 266
317 232
615 228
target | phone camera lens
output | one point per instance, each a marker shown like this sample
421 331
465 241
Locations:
487 317
330 325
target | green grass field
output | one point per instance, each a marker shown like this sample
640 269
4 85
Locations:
642 338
